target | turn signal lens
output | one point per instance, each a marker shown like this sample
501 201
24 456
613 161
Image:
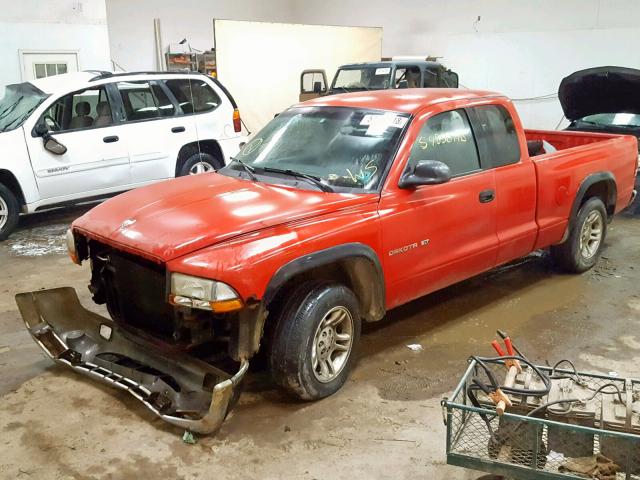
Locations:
237 122
71 247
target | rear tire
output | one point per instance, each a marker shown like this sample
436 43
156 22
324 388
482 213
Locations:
9 212
199 163
314 342
582 248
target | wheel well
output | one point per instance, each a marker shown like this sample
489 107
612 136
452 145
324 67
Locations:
9 180
357 273
205 146
605 190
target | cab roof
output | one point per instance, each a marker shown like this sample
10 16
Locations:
390 63
406 100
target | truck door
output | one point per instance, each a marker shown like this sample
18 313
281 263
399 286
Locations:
96 157
515 179
436 235
313 84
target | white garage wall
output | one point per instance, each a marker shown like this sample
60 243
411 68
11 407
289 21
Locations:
131 24
246 49
522 49
75 25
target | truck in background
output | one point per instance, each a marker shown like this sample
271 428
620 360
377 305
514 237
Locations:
383 75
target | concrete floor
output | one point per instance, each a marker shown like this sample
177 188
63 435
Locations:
386 423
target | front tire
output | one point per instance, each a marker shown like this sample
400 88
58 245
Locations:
9 212
582 248
199 163
313 347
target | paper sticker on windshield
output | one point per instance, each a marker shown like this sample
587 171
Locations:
383 70
378 124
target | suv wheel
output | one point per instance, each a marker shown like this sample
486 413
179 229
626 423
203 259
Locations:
312 350
9 211
199 163
581 250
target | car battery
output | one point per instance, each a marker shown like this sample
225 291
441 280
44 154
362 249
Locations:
515 441
622 416
564 440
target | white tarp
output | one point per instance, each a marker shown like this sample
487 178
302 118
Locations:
260 63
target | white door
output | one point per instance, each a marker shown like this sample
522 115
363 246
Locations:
45 64
96 160
155 129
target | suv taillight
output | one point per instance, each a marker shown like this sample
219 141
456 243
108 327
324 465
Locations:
237 123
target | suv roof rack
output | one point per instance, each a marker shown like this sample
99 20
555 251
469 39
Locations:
102 74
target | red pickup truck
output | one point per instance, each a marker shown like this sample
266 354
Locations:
340 209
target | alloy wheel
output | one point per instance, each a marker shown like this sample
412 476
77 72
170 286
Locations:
332 344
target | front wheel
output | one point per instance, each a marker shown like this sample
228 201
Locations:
582 248
314 340
199 163
9 212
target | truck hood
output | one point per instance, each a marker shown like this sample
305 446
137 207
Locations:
177 217
600 90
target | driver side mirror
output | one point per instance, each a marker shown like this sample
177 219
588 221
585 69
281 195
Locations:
317 87
54 146
426 172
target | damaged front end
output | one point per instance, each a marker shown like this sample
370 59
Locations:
180 388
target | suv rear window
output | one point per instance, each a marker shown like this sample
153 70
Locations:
193 95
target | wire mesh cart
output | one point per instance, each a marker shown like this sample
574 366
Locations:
599 438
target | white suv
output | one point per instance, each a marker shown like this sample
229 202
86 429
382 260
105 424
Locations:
86 135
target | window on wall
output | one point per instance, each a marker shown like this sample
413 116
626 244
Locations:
193 96
84 109
144 100
447 137
497 136
41 70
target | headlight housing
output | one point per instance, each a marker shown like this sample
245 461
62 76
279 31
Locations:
203 293
71 247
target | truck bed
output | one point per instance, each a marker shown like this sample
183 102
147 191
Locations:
560 173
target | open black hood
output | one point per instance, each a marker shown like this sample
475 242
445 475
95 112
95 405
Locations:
600 90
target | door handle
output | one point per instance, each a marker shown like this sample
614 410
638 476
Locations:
177 129
111 139
487 196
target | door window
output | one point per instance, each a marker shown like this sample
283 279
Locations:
447 137
497 136
193 95
144 100
309 81
85 109
409 74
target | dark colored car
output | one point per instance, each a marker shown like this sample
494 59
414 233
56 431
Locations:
604 99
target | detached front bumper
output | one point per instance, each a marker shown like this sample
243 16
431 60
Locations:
180 389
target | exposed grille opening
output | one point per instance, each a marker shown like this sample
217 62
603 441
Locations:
133 288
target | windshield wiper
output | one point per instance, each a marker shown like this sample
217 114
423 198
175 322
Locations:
292 173
250 170
21 119
10 108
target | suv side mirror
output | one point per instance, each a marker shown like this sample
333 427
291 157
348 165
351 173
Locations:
426 172
54 146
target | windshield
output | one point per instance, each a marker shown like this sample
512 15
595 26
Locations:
344 148
16 105
615 119
367 78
